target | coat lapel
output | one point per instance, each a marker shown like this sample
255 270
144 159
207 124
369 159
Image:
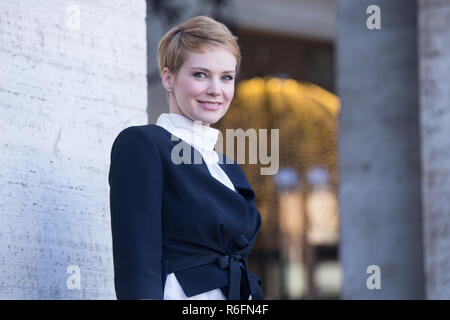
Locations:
238 179
232 170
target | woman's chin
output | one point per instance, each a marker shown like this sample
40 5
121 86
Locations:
208 119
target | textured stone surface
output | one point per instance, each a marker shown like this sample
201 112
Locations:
65 93
434 46
380 185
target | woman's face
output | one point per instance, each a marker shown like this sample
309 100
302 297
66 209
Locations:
204 85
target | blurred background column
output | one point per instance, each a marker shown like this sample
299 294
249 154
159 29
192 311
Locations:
434 61
380 179
292 230
323 234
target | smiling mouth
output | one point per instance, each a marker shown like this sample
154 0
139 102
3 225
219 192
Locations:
210 102
210 105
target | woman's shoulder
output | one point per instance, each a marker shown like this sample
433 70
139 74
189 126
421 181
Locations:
146 139
151 131
141 133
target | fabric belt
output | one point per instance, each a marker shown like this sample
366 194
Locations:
234 259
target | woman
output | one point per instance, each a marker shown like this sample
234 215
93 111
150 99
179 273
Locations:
181 228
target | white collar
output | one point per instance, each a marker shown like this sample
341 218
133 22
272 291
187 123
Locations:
201 137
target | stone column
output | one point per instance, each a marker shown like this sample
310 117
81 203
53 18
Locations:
380 174
72 75
434 82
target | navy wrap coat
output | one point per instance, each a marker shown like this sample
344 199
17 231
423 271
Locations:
168 217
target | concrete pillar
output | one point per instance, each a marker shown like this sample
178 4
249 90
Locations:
434 81
157 100
72 75
380 174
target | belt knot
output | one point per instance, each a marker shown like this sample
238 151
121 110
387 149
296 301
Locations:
224 261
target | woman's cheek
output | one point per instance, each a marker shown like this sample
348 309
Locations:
230 94
191 88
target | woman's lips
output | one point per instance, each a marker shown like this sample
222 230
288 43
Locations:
209 106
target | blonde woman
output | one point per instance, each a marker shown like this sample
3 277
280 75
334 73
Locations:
183 228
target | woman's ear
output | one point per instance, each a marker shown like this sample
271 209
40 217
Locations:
167 78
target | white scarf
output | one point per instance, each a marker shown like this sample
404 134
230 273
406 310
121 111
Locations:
202 138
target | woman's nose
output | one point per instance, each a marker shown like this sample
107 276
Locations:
213 88
213 93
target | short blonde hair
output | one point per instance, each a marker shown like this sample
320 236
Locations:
194 35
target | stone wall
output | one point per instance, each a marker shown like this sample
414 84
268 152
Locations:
72 75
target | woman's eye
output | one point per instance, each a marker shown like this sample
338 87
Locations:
202 75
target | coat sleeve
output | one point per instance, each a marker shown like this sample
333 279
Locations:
136 189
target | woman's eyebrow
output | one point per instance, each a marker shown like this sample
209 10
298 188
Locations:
204 69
